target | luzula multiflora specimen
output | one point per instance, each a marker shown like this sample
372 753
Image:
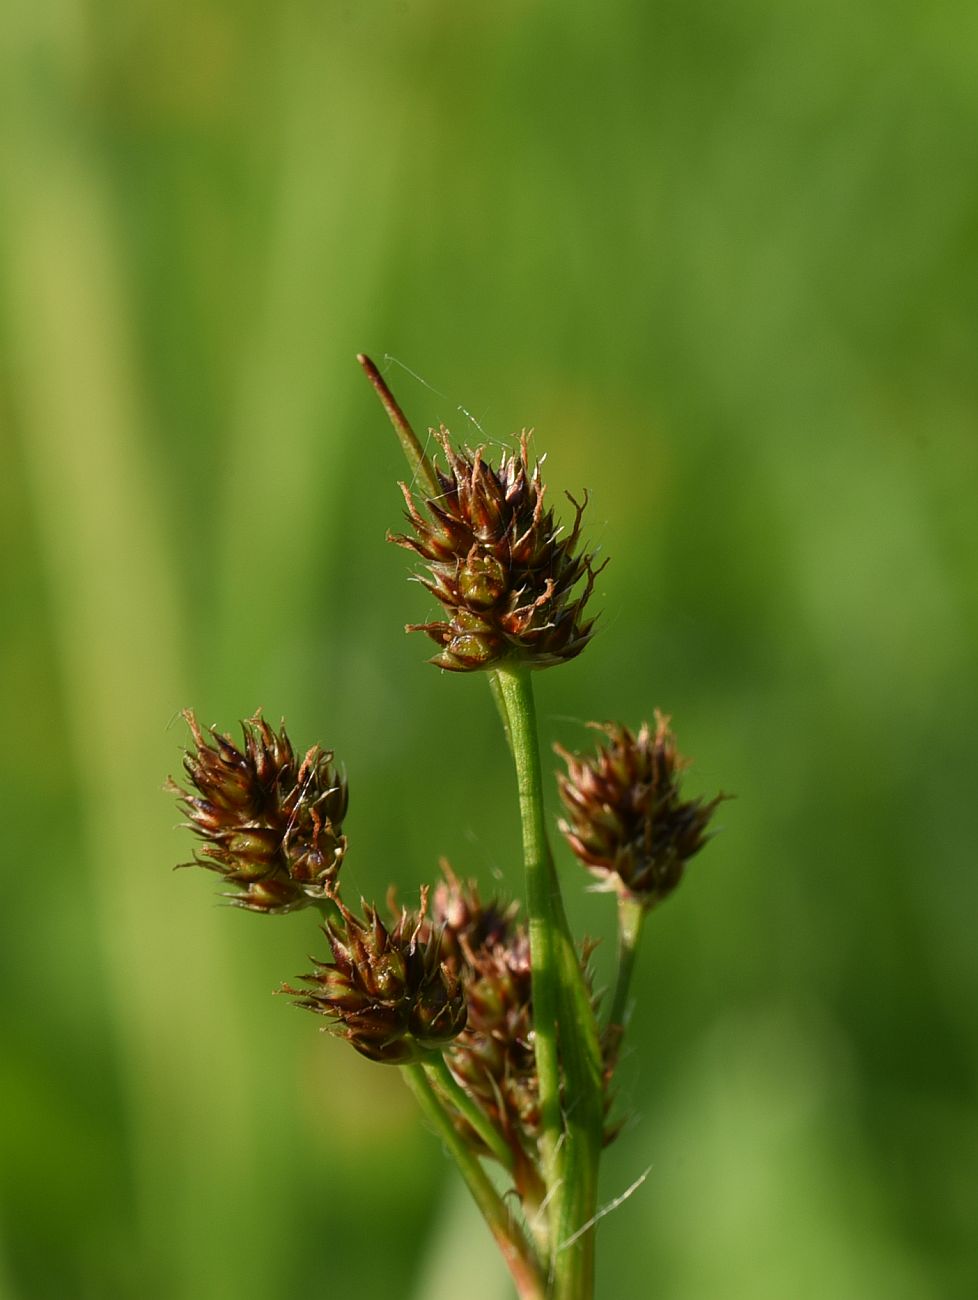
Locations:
491 1018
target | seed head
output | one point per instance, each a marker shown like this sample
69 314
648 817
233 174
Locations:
497 561
271 823
388 991
494 1058
627 821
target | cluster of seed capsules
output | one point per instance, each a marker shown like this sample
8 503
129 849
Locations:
452 976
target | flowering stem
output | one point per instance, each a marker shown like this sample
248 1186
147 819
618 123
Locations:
631 914
544 911
421 466
584 1134
516 1250
569 1144
440 1074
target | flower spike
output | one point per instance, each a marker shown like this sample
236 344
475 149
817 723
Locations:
513 587
626 820
271 822
388 991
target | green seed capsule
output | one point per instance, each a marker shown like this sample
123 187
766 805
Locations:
482 581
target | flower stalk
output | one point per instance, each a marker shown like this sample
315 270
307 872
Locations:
516 1250
547 924
445 1082
565 1031
631 914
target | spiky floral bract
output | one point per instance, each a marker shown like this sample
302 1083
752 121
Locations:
271 822
512 584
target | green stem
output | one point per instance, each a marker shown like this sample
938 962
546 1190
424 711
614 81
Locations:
421 466
631 914
327 909
516 1250
563 1020
500 703
544 910
440 1074
584 1133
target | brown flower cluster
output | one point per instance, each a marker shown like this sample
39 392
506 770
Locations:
493 1057
627 821
272 826
272 823
499 564
388 991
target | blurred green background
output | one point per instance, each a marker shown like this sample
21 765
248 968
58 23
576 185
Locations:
723 259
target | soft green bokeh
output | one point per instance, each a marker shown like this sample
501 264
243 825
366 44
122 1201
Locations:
723 258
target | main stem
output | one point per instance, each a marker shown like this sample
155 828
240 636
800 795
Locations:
544 910
565 1033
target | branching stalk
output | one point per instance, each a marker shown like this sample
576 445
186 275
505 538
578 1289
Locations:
516 1250
445 1082
513 587
631 914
